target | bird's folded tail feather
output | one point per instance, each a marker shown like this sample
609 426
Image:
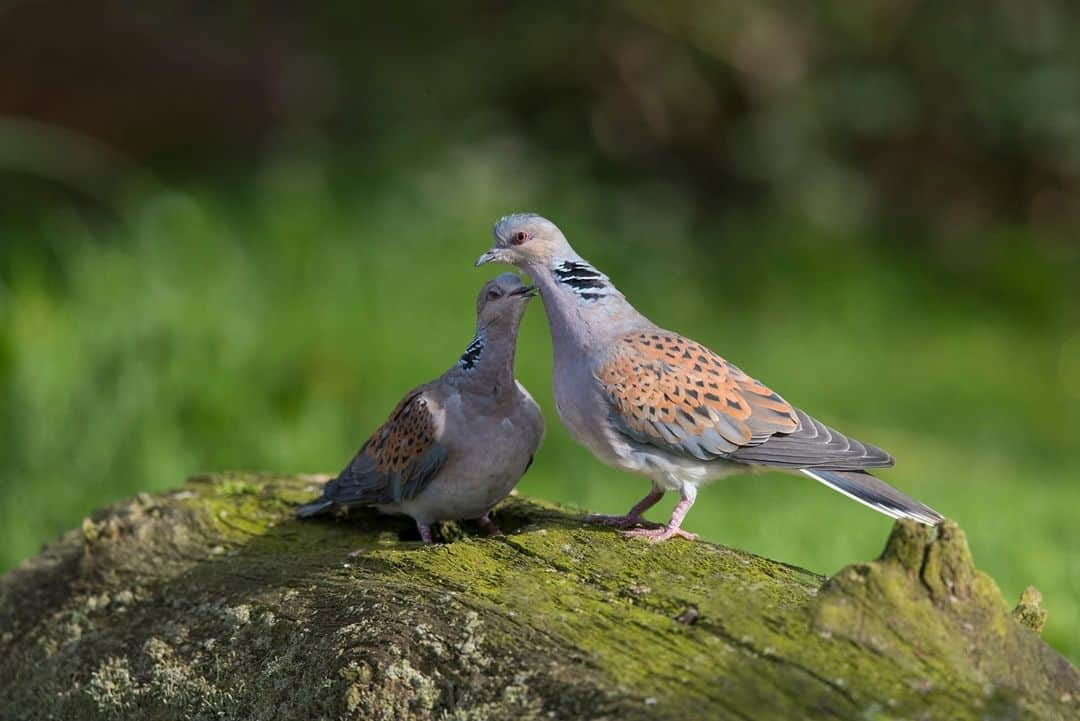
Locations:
314 508
876 494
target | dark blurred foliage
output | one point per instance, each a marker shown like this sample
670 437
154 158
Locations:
942 117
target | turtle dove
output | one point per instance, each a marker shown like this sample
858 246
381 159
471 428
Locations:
650 401
456 446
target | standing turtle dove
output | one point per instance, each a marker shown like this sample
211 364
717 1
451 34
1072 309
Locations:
456 446
650 401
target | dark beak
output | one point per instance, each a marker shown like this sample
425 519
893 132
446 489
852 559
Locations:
529 291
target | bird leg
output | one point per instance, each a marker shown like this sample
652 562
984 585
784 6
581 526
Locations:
489 525
425 533
633 516
673 527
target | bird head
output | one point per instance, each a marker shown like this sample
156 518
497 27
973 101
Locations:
503 299
527 239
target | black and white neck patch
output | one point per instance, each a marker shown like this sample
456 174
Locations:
472 353
586 281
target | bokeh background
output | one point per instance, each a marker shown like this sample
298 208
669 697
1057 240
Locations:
233 233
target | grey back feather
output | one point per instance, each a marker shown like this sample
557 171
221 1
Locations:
813 445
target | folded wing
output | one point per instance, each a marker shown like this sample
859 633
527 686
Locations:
397 461
675 394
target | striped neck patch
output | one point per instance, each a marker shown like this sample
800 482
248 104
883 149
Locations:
586 281
473 352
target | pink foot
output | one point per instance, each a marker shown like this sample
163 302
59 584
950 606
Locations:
627 521
425 533
489 525
661 533
633 516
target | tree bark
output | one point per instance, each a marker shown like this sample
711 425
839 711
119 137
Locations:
214 602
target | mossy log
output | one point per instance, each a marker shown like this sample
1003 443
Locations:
212 602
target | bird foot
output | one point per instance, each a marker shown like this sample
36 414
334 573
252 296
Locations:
627 521
661 533
425 534
489 525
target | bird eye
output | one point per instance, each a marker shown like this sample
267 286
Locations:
519 237
494 294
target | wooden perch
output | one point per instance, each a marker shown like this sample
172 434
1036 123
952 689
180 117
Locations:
213 602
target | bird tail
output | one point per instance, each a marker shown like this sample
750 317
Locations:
314 508
875 493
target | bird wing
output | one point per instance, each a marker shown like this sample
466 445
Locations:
397 461
677 395
814 445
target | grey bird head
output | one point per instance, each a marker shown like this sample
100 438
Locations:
502 301
524 239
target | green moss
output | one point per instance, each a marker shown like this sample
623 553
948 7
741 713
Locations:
1029 611
238 609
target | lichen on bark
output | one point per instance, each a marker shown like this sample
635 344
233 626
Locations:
213 602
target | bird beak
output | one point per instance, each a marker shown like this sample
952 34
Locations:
529 291
492 256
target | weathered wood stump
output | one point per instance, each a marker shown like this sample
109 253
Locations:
213 602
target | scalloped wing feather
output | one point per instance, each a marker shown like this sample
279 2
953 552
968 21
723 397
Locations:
676 394
396 461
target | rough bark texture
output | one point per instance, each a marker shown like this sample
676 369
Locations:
213 602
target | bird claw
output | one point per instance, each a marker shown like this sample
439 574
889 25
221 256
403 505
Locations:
425 534
489 525
661 533
621 521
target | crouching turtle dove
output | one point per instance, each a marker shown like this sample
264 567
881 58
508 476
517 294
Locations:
650 401
456 446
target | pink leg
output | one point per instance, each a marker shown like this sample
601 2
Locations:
633 517
672 529
425 533
489 525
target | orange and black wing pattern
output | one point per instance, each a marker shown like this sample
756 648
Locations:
395 463
676 394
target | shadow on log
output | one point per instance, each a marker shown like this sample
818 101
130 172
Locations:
213 602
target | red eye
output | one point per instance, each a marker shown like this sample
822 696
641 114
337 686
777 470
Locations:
519 237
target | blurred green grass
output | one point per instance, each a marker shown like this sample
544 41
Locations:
275 327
